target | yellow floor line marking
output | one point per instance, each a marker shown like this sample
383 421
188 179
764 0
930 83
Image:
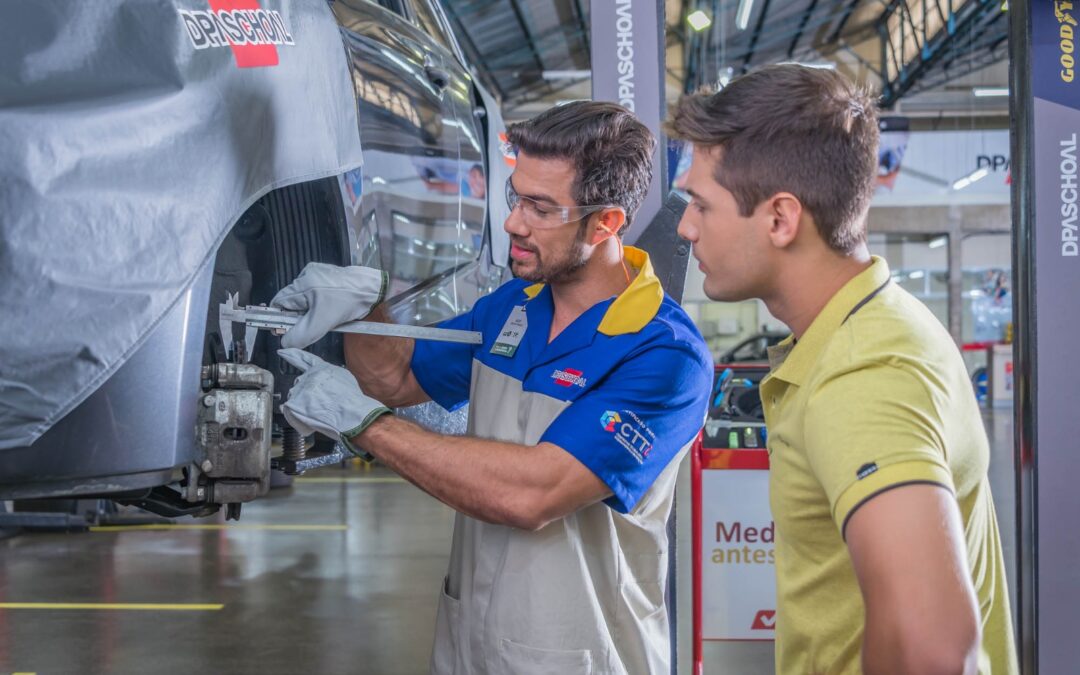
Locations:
372 479
256 527
142 606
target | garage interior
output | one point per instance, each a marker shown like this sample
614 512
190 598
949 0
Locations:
338 570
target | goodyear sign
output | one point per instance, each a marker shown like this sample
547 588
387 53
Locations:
1063 12
1054 33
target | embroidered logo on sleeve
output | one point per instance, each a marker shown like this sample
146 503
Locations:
632 434
609 419
865 470
568 377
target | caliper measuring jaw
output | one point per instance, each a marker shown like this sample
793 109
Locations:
255 317
230 312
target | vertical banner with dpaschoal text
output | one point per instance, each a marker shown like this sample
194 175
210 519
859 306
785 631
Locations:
1054 320
627 54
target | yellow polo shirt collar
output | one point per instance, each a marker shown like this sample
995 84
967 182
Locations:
792 361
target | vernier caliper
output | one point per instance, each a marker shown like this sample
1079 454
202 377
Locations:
278 321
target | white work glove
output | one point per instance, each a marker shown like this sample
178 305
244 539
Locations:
329 296
327 399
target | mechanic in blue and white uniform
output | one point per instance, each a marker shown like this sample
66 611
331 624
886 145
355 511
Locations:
588 389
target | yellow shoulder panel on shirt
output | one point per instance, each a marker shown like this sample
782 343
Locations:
638 304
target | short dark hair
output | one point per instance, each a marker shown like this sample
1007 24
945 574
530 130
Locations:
611 151
790 128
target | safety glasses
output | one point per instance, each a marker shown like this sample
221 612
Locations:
544 215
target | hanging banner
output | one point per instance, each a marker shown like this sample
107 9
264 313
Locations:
931 168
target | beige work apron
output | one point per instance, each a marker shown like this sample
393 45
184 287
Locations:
584 594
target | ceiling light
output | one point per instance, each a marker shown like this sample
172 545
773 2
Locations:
977 174
742 14
566 74
725 77
938 242
699 20
823 65
985 92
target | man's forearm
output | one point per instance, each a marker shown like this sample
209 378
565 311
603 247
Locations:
496 482
382 365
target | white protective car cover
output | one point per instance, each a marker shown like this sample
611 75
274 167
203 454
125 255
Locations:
133 133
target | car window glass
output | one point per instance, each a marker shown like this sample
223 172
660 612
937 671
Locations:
424 247
409 132
747 351
425 15
417 208
395 6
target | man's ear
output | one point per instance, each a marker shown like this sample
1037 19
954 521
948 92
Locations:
608 224
785 214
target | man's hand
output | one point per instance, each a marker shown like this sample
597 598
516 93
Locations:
327 399
329 296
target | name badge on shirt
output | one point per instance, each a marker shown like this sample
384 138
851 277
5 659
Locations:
512 332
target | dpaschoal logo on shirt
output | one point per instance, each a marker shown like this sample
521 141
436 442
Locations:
568 377
630 431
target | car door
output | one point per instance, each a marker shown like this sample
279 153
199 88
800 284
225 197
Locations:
403 206
463 273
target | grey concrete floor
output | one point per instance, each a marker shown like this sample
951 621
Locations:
352 589
354 594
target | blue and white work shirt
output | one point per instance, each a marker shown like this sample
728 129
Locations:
623 389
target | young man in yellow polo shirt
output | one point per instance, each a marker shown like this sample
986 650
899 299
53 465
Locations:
888 558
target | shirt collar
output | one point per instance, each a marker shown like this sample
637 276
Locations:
634 307
792 361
